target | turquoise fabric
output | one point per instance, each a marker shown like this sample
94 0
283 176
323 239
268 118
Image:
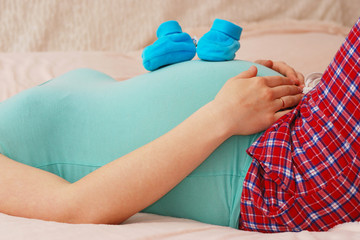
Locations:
79 121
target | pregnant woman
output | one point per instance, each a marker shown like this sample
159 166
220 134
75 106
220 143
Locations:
83 148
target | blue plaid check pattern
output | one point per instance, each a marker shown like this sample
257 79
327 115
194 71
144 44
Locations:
305 173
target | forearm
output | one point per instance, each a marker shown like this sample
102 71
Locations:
31 192
121 188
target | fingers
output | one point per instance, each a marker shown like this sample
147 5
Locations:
286 70
288 101
266 63
251 72
301 79
285 90
274 81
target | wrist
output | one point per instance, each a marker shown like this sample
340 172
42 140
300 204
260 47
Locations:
222 125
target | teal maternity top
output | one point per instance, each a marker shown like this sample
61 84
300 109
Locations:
77 122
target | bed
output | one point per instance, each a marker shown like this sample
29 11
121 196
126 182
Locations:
45 38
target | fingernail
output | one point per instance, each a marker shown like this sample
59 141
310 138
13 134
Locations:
252 67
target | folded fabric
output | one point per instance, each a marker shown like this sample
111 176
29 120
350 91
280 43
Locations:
311 81
220 43
172 46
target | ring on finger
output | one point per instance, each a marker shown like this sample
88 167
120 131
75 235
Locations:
283 103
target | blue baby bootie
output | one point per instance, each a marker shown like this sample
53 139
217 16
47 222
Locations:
172 46
220 43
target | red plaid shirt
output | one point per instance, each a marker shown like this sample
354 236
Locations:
306 167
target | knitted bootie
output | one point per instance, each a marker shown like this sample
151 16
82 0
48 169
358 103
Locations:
220 43
172 46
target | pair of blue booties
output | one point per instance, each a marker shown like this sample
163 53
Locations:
173 45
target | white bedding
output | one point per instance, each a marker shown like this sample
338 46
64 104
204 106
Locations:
148 226
308 45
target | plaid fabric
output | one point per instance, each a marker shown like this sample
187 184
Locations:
306 167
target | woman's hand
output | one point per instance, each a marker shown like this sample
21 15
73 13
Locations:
284 69
251 104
